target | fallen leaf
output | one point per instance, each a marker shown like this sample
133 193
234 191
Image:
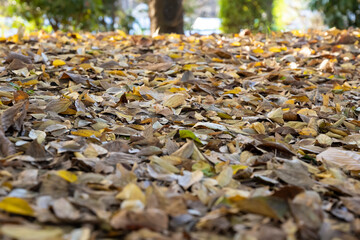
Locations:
16 206
68 176
25 232
58 62
86 133
272 207
175 101
132 192
189 134
233 91
59 105
346 160
154 219
189 178
276 115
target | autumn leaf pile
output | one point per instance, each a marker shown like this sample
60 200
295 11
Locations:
110 136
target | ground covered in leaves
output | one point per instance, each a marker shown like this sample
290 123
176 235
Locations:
111 136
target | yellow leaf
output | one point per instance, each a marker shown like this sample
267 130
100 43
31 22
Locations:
189 67
69 111
326 99
68 176
290 101
236 168
77 36
14 39
136 91
87 133
307 112
236 44
258 64
117 72
308 132
258 50
121 33
58 62
301 98
86 66
17 206
275 49
30 82
131 192
174 89
209 69
310 87
174 55
217 60
259 127
159 79
236 90
297 33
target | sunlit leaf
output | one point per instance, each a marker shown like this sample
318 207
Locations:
86 133
16 206
234 91
68 176
30 233
189 134
58 63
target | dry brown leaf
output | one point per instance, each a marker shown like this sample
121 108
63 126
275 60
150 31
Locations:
346 160
174 101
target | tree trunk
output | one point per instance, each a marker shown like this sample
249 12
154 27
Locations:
167 16
269 14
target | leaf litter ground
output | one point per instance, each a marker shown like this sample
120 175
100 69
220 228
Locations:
110 136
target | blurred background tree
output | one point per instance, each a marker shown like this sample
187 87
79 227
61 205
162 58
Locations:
256 15
73 15
166 16
338 13
241 14
201 16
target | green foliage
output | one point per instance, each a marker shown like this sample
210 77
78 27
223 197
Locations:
240 14
67 15
126 21
279 7
189 13
338 13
